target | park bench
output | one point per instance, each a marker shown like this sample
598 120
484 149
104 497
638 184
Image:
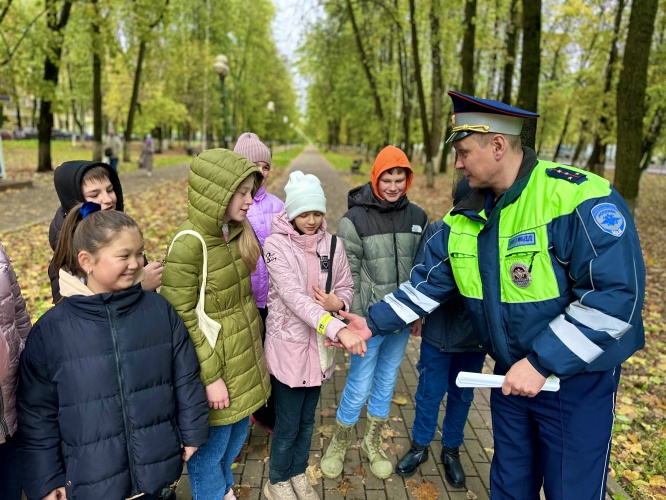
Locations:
356 167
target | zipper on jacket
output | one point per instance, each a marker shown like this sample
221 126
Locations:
247 319
395 252
3 423
123 402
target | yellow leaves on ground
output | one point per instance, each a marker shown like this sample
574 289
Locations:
425 490
399 400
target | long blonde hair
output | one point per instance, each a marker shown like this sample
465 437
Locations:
248 244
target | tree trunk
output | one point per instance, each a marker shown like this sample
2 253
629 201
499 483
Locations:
427 139
651 138
436 91
51 68
406 93
563 134
510 47
133 101
631 100
97 85
528 94
467 54
368 73
597 160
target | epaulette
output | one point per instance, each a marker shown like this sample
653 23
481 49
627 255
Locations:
566 174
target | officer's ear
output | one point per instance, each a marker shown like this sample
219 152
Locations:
500 145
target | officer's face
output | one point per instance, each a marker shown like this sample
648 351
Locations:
476 161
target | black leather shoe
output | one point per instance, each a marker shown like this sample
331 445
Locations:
416 455
453 469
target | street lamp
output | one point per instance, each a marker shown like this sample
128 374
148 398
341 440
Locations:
270 106
221 67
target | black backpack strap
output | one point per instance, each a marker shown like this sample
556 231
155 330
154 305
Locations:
334 240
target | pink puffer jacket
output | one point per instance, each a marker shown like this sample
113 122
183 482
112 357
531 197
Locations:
295 353
14 328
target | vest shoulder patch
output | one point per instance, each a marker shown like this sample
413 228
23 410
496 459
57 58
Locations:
566 174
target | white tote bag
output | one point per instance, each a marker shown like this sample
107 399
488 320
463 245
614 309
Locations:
209 327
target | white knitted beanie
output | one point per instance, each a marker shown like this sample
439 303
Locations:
304 194
249 146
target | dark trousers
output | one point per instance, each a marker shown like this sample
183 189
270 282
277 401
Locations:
10 480
295 412
266 414
560 440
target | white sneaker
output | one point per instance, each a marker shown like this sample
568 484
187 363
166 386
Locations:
230 495
279 491
150 174
303 488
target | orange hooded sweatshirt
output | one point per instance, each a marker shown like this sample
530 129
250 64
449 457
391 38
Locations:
388 158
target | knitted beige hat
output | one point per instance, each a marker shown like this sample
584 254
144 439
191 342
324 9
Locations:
252 148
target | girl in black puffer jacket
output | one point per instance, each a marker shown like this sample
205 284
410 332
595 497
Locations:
110 401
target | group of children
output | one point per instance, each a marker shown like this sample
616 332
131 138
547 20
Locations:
118 385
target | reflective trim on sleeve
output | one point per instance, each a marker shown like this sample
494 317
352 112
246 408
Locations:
404 312
596 320
419 299
575 340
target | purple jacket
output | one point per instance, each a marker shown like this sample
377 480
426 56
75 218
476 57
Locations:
14 329
295 352
266 206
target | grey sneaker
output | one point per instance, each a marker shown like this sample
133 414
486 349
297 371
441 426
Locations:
279 491
303 488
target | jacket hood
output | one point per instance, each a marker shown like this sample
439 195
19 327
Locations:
388 158
364 196
67 182
282 225
214 177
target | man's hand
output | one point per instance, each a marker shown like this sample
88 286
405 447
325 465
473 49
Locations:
217 394
352 342
357 325
153 277
57 494
188 451
329 301
417 326
523 379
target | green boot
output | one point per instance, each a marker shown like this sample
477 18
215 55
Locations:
331 462
380 465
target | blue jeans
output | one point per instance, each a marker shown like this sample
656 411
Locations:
10 479
210 467
373 375
295 416
113 162
437 376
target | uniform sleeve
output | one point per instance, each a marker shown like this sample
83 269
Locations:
431 283
38 432
180 286
602 326
354 250
284 279
21 315
190 395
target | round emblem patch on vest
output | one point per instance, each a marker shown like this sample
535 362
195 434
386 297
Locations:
609 219
520 275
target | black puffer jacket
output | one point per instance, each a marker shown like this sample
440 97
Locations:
109 390
67 181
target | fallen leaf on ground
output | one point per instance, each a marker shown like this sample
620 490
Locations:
343 487
399 400
313 473
326 430
242 491
425 490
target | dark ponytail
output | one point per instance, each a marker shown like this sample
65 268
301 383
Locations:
89 234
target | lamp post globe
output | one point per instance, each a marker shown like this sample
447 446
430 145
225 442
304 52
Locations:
221 67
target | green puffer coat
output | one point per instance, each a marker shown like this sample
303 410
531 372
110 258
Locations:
381 240
238 357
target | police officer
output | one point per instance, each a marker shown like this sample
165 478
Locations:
548 261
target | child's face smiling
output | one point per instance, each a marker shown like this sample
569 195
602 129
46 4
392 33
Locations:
265 170
100 192
392 186
116 265
309 222
240 202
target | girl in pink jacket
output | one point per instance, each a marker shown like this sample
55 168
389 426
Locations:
14 328
298 255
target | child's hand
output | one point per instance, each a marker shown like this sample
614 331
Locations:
153 277
57 494
217 394
416 328
329 301
352 342
329 343
357 324
188 451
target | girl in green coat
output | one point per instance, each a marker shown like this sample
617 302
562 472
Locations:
221 185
